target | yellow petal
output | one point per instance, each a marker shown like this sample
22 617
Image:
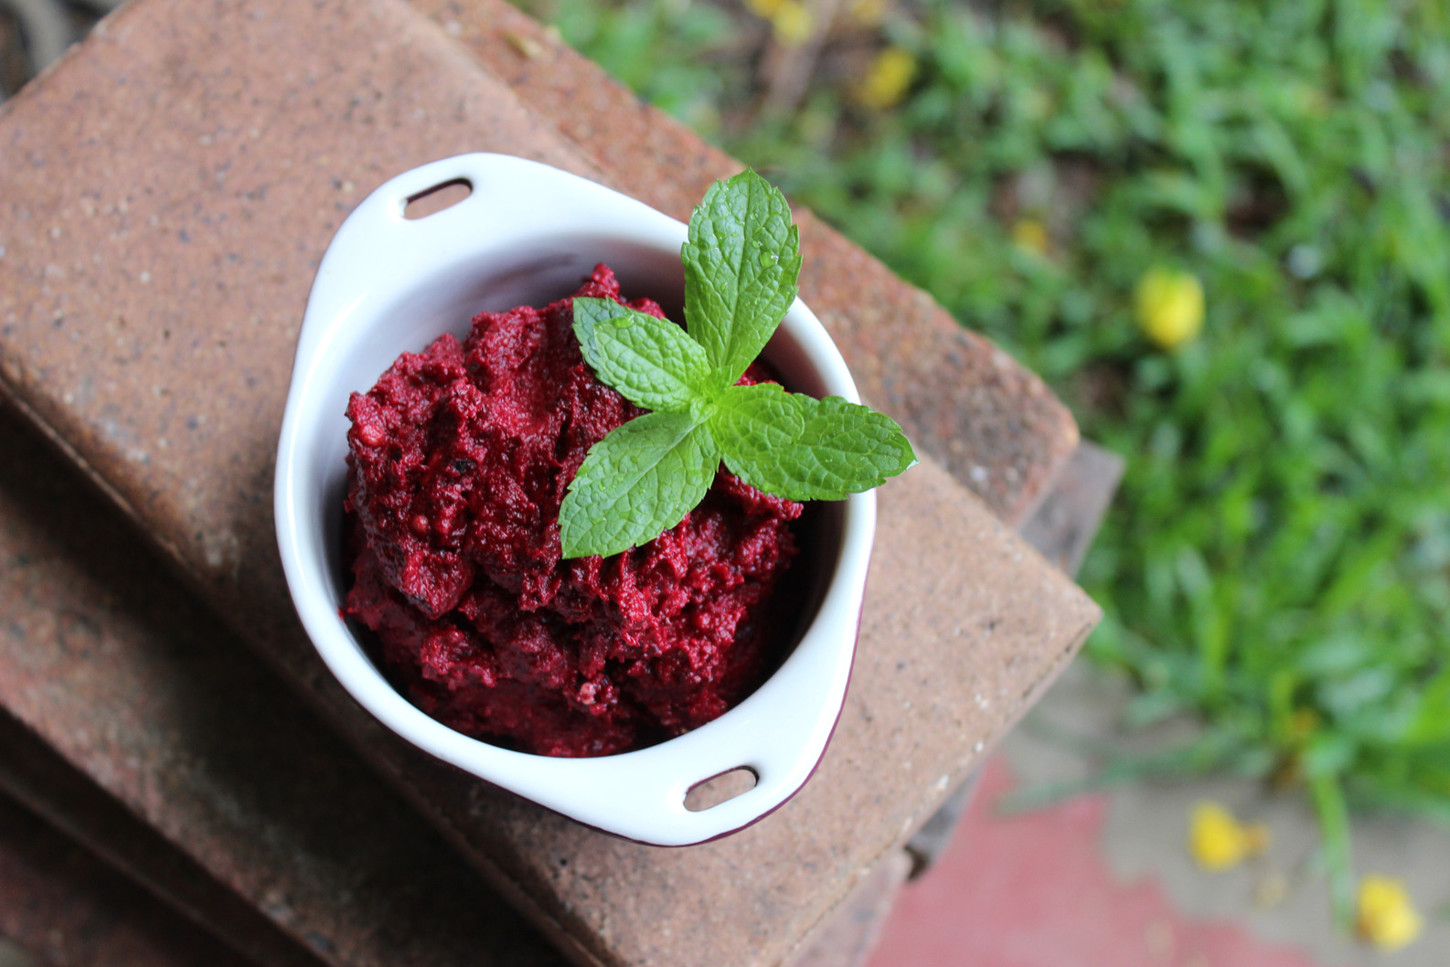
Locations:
1218 841
764 8
1170 306
1386 916
791 23
1030 234
1213 837
887 79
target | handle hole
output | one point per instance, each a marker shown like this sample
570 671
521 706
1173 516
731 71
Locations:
433 200
722 788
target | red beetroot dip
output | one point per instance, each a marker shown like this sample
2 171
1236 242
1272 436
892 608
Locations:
458 460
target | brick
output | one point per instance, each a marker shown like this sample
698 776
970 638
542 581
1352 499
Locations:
147 732
848 938
62 907
1066 520
164 198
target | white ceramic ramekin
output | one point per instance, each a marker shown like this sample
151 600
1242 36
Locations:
527 234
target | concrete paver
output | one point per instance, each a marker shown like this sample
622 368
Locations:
1105 877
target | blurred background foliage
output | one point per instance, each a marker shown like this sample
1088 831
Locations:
1277 562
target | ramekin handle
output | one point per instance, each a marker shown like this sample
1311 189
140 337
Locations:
377 248
780 733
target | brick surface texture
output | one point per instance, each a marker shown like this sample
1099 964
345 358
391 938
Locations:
165 195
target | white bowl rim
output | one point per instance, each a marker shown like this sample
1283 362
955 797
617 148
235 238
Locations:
779 732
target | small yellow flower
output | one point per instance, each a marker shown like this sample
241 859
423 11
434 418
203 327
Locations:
792 24
1170 306
1218 841
1387 918
887 79
1030 234
765 9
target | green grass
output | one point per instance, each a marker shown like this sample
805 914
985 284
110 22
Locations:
1278 559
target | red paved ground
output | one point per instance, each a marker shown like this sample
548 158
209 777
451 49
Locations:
1033 890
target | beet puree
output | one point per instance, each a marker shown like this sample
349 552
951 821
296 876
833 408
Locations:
458 460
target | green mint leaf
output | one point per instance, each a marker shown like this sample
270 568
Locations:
636 483
652 362
741 263
794 446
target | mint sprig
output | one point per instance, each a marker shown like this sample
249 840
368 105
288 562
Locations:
741 263
636 483
801 448
651 361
